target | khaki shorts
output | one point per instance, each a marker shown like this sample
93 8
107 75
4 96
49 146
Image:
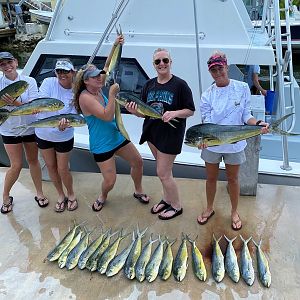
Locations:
229 158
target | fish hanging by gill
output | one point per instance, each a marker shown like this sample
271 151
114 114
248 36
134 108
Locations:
126 97
198 263
262 266
214 134
36 106
165 268
231 263
55 253
217 265
75 120
181 260
14 90
247 270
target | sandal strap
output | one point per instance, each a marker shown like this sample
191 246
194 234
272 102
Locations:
99 202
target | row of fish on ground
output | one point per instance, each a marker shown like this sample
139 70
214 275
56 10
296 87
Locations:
75 249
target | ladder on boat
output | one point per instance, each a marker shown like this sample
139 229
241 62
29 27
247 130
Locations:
35 4
284 64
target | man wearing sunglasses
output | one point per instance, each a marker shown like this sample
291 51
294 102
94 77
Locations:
172 97
56 143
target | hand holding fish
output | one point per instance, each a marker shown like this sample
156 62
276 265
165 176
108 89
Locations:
265 127
169 115
113 91
119 40
8 99
132 107
63 124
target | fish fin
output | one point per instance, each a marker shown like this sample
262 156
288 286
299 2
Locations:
171 125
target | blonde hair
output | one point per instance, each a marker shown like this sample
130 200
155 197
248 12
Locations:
160 50
79 86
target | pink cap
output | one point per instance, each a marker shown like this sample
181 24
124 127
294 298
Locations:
216 60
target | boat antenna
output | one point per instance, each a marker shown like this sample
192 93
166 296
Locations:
114 19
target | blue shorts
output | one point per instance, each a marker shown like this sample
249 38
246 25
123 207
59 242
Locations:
229 158
61 147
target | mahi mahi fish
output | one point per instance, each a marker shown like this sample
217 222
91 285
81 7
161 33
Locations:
135 252
90 250
125 97
75 120
247 270
55 253
36 106
217 266
143 260
152 268
14 90
198 263
73 256
117 263
109 254
231 263
181 259
63 258
214 134
262 266
165 268
4 114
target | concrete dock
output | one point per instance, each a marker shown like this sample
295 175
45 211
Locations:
29 232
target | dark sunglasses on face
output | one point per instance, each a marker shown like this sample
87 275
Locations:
164 60
60 71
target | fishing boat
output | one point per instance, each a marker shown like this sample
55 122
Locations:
191 30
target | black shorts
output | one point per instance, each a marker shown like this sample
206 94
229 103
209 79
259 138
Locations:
10 139
61 147
107 155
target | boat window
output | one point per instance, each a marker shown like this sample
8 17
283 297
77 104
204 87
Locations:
131 76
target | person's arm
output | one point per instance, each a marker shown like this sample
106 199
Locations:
257 84
119 40
182 113
90 106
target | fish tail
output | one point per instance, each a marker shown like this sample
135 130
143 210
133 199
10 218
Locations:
229 240
246 241
171 125
274 127
257 245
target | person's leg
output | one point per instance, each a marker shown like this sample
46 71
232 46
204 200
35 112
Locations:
108 171
130 154
14 152
66 177
212 172
31 152
232 172
49 156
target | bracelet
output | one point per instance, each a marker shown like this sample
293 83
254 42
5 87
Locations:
258 122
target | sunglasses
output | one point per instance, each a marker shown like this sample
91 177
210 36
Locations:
164 60
61 71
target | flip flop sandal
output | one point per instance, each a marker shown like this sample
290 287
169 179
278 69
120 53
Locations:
235 223
141 197
207 218
41 201
7 206
61 205
70 203
177 212
99 204
164 204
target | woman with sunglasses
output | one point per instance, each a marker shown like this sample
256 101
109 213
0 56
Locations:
105 139
226 102
171 96
56 143
13 139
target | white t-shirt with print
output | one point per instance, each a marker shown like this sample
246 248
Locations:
229 105
7 128
50 87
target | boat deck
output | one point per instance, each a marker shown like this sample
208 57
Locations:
29 232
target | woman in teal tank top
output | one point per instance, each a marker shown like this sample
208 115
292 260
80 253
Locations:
106 141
